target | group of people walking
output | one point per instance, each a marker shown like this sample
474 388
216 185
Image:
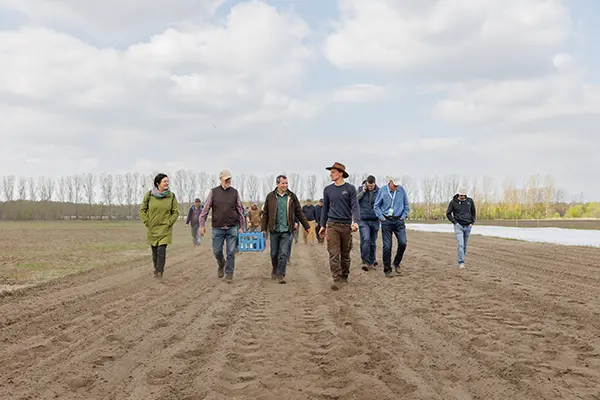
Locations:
342 211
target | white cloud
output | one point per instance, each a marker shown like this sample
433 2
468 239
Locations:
111 19
561 96
454 38
244 72
360 93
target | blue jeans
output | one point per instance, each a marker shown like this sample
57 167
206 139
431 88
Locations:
462 237
397 228
219 237
368 241
289 253
280 248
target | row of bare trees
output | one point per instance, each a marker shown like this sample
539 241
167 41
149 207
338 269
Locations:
117 196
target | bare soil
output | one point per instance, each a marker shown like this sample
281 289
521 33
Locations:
521 322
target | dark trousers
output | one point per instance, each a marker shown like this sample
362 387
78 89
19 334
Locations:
397 228
280 248
159 257
368 241
339 244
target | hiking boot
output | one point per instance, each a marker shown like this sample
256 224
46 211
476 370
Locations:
281 279
221 271
229 278
398 270
461 266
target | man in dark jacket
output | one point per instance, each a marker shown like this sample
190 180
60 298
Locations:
281 209
462 213
318 210
310 213
369 223
193 219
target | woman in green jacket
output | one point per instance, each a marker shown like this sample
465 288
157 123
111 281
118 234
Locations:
159 212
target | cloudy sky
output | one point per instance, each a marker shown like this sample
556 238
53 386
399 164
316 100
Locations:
473 87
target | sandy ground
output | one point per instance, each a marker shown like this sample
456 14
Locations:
522 322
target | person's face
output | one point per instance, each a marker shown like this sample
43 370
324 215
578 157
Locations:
462 197
254 206
282 186
392 186
370 186
164 184
335 174
227 183
308 202
197 204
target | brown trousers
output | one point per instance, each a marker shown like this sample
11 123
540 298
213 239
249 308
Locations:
309 237
339 244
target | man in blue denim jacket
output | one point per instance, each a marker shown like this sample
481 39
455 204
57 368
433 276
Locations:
391 207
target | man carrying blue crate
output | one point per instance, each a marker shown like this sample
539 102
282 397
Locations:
281 209
227 220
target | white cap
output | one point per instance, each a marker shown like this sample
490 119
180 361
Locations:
462 191
396 180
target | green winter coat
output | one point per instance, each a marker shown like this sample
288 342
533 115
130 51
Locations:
159 216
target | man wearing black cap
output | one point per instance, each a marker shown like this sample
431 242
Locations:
339 219
369 223
193 219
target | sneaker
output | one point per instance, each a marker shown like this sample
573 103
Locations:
398 270
281 279
461 266
389 274
221 272
229 278
365 267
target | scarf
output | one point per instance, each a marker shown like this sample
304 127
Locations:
160 195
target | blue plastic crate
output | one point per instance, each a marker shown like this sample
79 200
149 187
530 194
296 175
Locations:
251 241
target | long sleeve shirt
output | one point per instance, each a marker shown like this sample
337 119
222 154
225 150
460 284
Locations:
386 200
208 206
340 204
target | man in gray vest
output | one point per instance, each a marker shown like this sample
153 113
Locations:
227 221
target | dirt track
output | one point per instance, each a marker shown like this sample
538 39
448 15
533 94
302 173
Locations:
522 322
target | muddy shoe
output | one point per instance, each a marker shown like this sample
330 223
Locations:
389 274
398 270
372 267
365 267
335 286
281 280
274 274
344 280
229 278
221 272
160 275
155 274
461 266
